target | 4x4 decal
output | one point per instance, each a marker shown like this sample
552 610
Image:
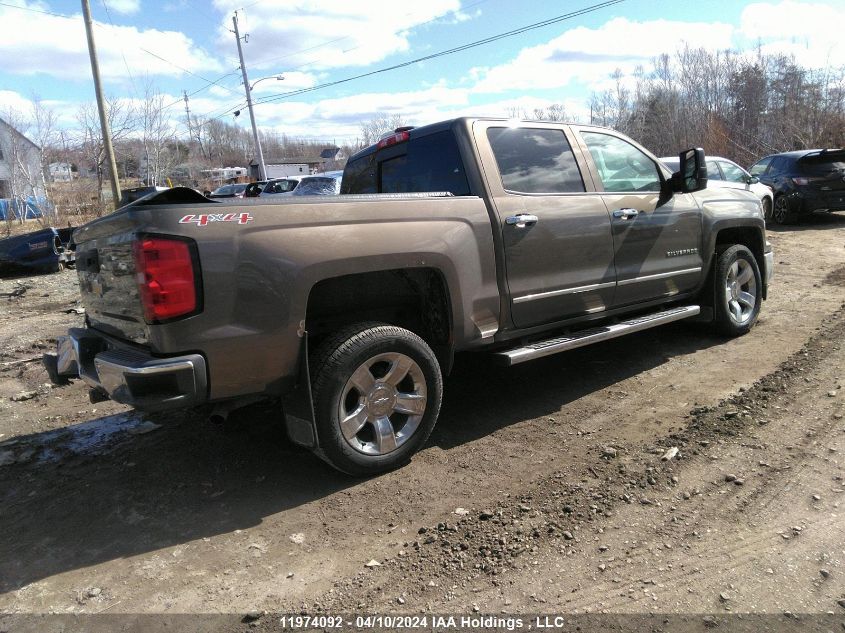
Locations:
204 218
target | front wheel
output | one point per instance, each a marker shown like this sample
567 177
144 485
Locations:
377 393
738 292
767 210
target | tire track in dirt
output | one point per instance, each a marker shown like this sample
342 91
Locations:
736 418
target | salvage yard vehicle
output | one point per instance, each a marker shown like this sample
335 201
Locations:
48 250
722 172
514 239
804 182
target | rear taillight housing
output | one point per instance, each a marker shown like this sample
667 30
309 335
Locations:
167 278
803 181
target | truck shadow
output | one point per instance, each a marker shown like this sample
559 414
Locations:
504 396
72 504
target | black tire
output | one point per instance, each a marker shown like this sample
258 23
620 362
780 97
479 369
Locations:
781 213
376 354
737 282
767 210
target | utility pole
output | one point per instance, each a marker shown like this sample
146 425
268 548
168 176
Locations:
261 168
101 106
188 115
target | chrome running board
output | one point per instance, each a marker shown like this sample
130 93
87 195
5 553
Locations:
581 338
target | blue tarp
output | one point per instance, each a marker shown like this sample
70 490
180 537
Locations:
32 208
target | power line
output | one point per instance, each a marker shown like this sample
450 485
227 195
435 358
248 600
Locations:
122 54
185 70
450 51
347 37
209 82
58 15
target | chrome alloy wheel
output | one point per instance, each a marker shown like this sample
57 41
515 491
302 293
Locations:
740 291
382 403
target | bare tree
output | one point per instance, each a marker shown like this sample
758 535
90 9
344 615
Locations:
158 138
122 123
373 129
44 134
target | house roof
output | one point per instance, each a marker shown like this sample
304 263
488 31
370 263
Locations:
16 131
298 160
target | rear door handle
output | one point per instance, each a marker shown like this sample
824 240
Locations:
522 220
626 214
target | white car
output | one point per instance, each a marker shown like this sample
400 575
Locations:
280 186
722 172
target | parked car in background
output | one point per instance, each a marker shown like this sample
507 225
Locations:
804 182
325 184
254 189
229 191
722 172
280 186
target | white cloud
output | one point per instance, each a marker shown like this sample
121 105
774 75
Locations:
125 7
323 34
58 47
810 32
15 103
590 55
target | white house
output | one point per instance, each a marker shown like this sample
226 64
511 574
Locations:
61 172
20 165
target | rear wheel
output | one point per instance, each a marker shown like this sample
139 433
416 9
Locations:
377 393
781 213
739 291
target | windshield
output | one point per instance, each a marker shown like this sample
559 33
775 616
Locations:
316 186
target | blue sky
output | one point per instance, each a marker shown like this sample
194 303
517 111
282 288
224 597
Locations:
175 45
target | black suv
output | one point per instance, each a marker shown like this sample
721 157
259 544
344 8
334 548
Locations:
804 181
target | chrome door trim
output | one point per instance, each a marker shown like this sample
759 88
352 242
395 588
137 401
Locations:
673 273
564 291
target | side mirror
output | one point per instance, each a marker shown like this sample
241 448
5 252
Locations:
692 174
752 180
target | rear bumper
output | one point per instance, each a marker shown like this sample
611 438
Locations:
132 376
805 202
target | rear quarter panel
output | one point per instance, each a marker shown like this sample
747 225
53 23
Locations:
257 276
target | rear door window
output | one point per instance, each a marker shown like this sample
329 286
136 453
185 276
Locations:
779 165
535 160
758 168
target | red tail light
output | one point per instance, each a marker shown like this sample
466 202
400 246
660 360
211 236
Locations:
393 139
803 180
166 280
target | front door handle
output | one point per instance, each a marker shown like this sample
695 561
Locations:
626 214
522 220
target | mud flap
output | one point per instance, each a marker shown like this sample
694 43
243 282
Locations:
298 406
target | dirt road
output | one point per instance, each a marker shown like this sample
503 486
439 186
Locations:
542 488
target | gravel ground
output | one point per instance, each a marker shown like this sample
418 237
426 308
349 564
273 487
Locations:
544 487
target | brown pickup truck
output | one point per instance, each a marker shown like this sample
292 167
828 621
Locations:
513 239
